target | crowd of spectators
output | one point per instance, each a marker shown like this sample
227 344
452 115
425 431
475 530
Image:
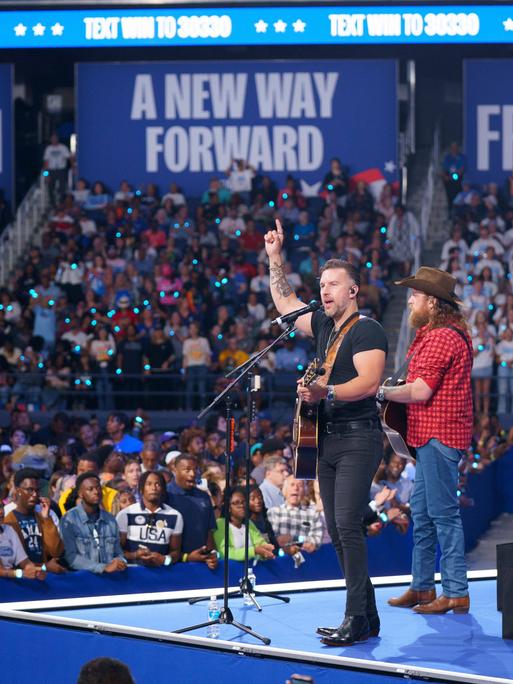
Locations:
132 294
79 496
479 255
74 496
143 295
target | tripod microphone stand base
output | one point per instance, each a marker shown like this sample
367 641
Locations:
225 618
246 589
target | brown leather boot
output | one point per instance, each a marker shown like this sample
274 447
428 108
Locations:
443 604
412 597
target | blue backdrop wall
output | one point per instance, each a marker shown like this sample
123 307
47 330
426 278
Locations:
185 122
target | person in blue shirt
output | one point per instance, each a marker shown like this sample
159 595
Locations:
197 511
90 534
117 426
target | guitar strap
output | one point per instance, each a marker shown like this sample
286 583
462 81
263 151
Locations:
464 338
331 355
401 372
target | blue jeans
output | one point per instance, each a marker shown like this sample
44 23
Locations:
436 515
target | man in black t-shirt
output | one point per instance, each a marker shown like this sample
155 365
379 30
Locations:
131 359
350 439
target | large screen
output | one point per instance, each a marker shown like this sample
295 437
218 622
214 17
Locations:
488 88
291 25
186 121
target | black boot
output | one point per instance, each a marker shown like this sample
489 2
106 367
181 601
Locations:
354 628
374 627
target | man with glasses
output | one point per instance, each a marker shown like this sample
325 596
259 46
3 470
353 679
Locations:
275 473
90 534
151 531
32 521
14 562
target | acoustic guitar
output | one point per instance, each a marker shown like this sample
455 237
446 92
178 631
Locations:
394 423
305 430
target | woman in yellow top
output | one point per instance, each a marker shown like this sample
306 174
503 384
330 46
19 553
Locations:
258 547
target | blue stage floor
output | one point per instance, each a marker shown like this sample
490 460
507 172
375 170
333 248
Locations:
470 644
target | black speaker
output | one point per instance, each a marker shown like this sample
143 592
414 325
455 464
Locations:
505 587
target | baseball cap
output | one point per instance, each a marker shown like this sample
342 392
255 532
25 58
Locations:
166 436
256 447
171 456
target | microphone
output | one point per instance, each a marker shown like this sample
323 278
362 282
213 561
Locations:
291 317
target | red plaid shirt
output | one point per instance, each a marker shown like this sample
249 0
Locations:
442 359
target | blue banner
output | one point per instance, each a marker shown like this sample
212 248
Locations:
6 132
186 122
299 25
488 102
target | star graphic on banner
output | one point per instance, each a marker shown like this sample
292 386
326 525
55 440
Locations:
299 26
508 24
39 29
390 166
20 30
57 29
280 26
261 26
310 190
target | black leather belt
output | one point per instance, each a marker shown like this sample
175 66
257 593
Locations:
350 426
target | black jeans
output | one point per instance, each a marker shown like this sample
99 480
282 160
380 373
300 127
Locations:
347 464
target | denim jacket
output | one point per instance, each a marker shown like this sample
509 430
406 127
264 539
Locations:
87 545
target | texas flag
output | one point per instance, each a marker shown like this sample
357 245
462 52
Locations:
373 178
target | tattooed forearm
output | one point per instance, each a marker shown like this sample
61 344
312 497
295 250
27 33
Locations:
279 283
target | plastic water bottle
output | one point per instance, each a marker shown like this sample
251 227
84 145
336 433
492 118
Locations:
214 612
252 579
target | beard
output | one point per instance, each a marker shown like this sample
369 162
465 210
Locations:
418 319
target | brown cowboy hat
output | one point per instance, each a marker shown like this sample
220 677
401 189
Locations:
434 282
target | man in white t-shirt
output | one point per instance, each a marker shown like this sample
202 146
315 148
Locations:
232 225
240 174
55 161
478 247
456 240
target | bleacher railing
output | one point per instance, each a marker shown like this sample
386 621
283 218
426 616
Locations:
418 241
18 234
153 390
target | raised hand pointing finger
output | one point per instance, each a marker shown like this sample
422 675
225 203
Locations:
279 230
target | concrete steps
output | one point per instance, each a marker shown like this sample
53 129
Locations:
417 170
392 324
484 556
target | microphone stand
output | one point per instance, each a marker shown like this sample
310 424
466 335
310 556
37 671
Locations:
226 615
246 587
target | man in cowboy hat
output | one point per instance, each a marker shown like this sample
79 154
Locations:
439 413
